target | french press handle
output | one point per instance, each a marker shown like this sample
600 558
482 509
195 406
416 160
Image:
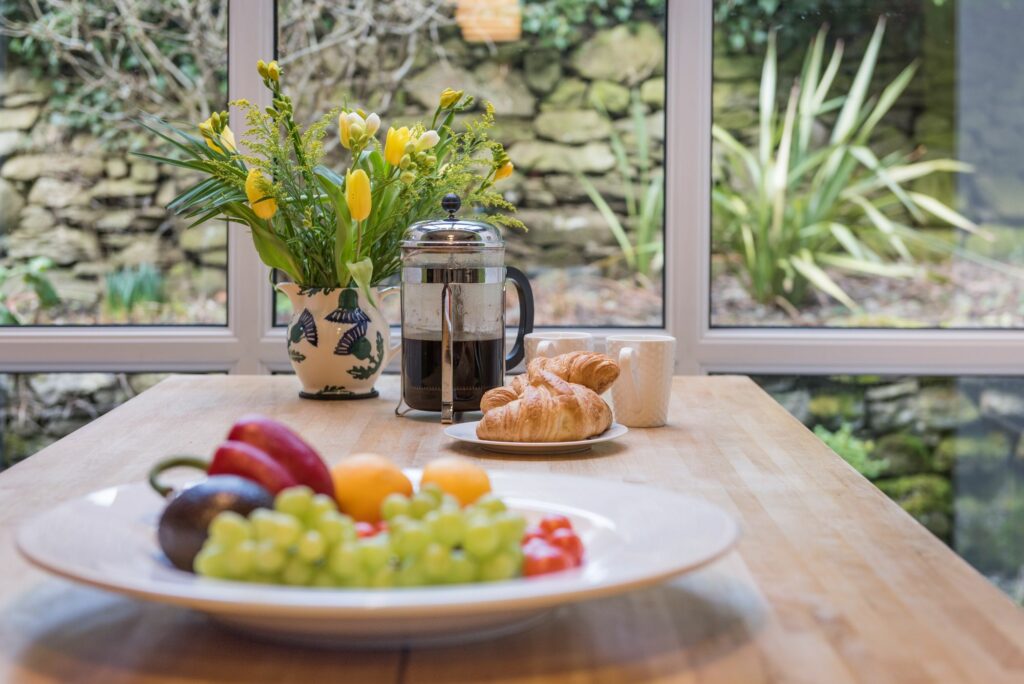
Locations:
525 293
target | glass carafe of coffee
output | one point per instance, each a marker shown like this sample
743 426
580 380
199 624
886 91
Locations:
453 313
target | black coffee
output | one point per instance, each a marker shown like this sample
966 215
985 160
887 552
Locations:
478 365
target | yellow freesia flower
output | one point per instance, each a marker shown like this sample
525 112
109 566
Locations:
343 131
427 140
209 131
394 144
256 189
504 171
357 194
450 97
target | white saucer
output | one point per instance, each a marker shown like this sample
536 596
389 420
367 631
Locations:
466 432
634 535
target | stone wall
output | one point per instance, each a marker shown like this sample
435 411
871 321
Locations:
93 209
549 106
948 450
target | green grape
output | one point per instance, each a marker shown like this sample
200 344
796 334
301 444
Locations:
263 524
410 574
264 578
239 559
490 504
210 561
269 558
385 576
286 530
321 504
373 552
344 560
436 561
229 528
323 578
434 491
411 538
421 504
297 572
511 527
447 526
294 501
312 546
335 527
462 568
500 566
481 538
393 506
449 503
361 578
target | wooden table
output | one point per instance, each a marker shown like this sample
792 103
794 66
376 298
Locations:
830 583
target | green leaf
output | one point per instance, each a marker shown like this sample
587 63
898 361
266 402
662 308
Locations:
851 110
941 211
362 273
610 218
767 102
867 267
804 264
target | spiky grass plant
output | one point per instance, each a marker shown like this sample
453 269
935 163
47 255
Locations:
795 205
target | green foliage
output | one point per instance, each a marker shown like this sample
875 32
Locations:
746 24
799 203
105 59
129 287
642 248
26 279
561 23
853 450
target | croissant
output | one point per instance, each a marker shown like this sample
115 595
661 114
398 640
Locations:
549 409
590 369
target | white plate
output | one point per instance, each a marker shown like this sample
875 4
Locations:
466 432
634 536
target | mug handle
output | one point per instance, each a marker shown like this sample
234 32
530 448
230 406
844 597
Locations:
525 293
396 349
627 358
544 347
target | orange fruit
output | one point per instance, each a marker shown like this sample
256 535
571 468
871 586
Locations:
363 481
460 477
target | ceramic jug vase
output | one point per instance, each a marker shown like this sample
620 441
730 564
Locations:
338 340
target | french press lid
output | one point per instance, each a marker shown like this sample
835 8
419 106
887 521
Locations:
452 233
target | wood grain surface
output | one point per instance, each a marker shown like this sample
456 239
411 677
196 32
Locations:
830 583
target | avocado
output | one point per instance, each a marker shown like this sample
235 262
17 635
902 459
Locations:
186 518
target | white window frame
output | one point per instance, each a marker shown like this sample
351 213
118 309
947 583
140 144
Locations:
251 344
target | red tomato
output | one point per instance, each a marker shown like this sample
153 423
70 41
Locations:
365 529
567 540
533 533
540 558
550 523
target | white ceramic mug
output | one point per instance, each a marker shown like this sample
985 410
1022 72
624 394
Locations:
641 394
554 342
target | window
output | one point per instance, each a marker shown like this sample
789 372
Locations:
85 236
579 94
945 449
881 193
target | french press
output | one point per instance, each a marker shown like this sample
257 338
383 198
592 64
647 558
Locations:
453 313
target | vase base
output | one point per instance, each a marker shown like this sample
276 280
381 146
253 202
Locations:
338 396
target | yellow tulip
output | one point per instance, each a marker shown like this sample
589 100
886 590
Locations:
343 130
394 144
256 189
450 97
357 194
504 171
228 138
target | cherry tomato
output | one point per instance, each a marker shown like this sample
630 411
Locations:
533 533
540 558
567 540
365 529
550 523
